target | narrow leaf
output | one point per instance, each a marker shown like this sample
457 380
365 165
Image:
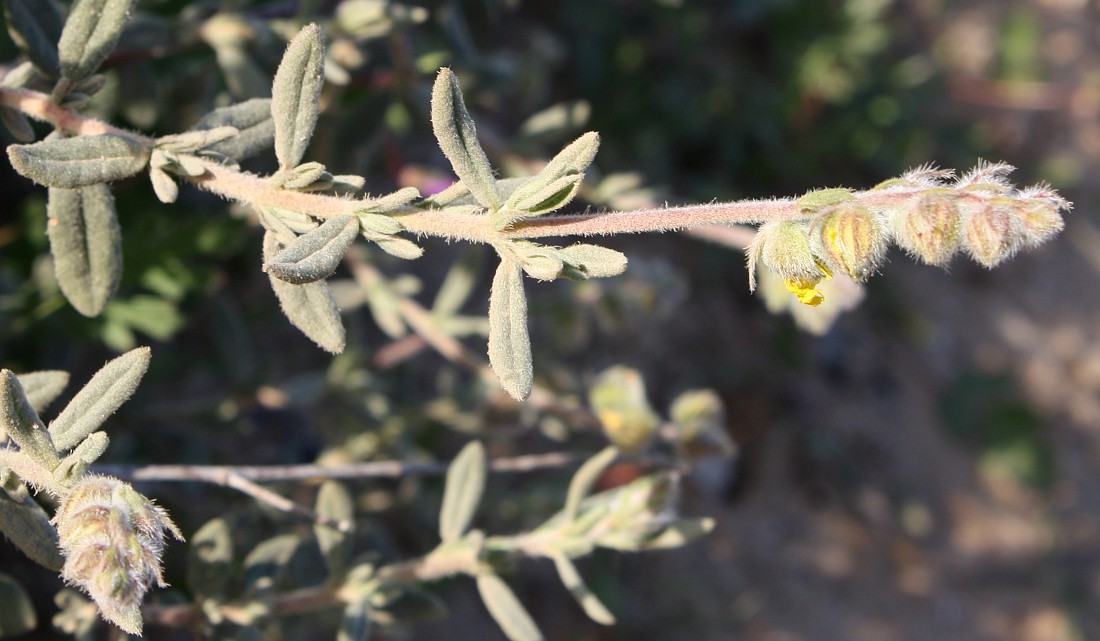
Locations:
90 34
506 609
251 119
315 255
35 27
509 344
583 481
573 582
164 186
462 492
399 247
357 622
268 561
21 423
78 162
72 468
296 93
680 533
27 525
41 388
553 196
86 245
310 307
457 136
16 612
210 559
111 386
334 503
17 124
459 283
194 140
592 261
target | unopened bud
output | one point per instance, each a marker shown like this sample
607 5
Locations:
784 248
850 238
930 229
993 233
112 538
1041 219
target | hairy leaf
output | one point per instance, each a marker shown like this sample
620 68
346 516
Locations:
210 558
90 34
573 582
334 502
164 186
253 122
399 247
111 386
78 162
457 136
26 524
296 93
592 261
86 245
509 343
16 612
506 609
21 423
35 27
72 468
462 492
310 307
41 388
585 478
315 255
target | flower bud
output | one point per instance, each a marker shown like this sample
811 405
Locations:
850 238
112 538
993 233
930 228
1041 219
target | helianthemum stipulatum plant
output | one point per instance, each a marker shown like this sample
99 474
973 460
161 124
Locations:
111 537
105 537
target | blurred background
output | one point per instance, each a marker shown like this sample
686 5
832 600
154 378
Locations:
926 468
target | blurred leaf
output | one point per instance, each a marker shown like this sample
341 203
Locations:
405 604
584 596
618 398
90 34
334 502
17 124
35 27
680 533
78 162
506 609
357 622
111 386
585 479
509 343
267 562
295 95
462 493
27 525
457 137
16 612
459 283
86 245
41 388
210 559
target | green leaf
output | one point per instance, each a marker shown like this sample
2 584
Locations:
540 262
509 344
506 609
251 119
21 423
90 34
553 196
585 478
315 255
462 492
591 261
16 612
17 124
399 247
195 140
310 307
210 559
679 533
41 388
334 503
27 525
584 596
111 386
72 468
296 93
81 161
35 27
357 622
86 245
268 561
457 137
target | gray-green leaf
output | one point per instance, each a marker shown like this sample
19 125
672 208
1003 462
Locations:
35 27
592 261
573 582
334 503
506 609
509 343
16 612
315 255
21 423
90 34
86 245
462 492
111 386
457 136
41 388
27 525
72 468
210 559
78 162
310 307
296 93
585 478
268 561
251 119
17 124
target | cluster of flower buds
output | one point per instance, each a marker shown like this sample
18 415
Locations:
924 212
112 538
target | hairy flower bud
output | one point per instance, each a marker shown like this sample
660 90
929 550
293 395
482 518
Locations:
993 233
784 248
112 538
850 238
930 228
1041 218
